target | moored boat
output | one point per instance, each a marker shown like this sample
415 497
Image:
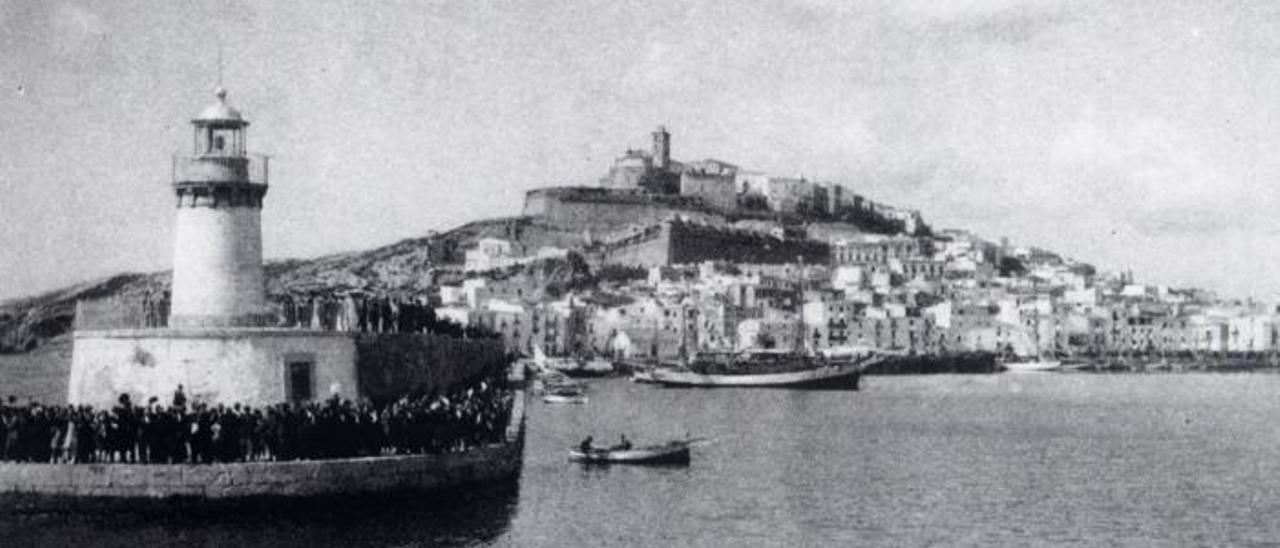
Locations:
573 366
1031 365
675 452
583 367
572 398
643 377
832 370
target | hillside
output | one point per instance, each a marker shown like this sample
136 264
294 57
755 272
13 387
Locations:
409 266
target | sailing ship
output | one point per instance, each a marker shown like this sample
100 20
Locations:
800 367
840 370
1034 359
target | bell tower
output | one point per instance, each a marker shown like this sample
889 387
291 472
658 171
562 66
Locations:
217 255
661 148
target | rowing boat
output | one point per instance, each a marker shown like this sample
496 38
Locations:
675 452
576 399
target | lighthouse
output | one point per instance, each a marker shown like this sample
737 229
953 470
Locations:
223 342
217 255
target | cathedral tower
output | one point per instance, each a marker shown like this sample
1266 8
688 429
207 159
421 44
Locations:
661 148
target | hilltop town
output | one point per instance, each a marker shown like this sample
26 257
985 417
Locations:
662 258
707 255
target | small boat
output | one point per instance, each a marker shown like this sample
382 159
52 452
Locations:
1074 365
1030 365
558 382
573 366
565 398
675 452
582 368
643 377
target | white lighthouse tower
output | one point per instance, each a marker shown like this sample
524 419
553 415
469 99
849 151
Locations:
222 343
217 256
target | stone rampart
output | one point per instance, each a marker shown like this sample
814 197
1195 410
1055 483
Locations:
676 242
605 210
692 243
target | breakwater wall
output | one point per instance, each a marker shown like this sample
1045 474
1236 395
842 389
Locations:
32 487
976 362
1209 361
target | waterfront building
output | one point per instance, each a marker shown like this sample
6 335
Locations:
910 334
652 327
512 322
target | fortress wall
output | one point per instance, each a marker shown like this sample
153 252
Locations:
651 249
527 235
390 365
717 191
602 211
215 365
536 204
691 244
831 231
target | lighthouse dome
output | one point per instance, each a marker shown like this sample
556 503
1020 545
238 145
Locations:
221 111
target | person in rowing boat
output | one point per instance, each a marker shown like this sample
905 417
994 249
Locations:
585 446
624 444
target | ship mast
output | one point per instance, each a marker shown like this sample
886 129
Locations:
801 340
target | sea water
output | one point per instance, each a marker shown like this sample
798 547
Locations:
979 460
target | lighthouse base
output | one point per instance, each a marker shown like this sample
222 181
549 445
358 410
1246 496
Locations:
254 366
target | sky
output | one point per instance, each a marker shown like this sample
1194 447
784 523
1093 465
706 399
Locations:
1137 135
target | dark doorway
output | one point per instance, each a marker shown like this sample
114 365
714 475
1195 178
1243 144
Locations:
299 380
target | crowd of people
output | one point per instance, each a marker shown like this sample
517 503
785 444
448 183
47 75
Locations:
348 311
193 432
369 314
355 312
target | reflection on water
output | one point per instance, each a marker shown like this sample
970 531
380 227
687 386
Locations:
462 519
